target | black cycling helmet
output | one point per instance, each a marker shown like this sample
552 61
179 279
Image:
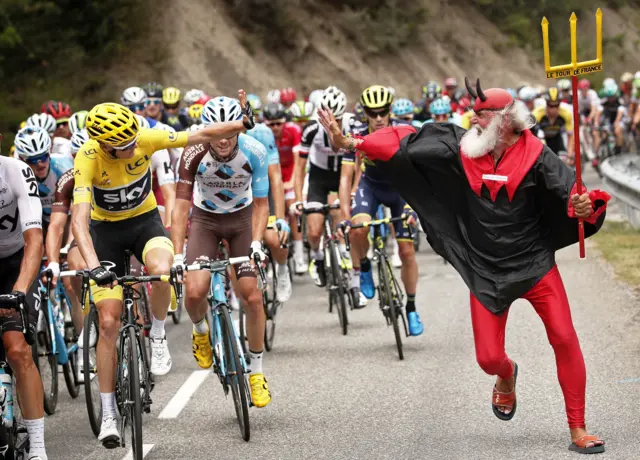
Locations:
274 111
153 89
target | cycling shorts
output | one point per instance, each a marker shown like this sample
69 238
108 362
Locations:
209 229
138 234
321 183
9 272
369 197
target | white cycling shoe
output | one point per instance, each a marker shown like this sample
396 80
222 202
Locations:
300 266
284 288
109 436
80 367
160 357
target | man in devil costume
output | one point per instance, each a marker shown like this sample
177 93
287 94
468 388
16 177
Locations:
497 204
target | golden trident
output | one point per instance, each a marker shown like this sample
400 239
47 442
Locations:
573 70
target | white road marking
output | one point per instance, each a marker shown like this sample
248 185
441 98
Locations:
145 450
182 397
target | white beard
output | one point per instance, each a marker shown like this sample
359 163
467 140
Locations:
475 143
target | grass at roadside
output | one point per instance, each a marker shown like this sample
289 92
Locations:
620 246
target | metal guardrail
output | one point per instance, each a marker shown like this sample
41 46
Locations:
621 178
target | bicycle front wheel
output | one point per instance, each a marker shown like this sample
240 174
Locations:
235 373
339 289
46 361
89 370
130 370
270 308
393 311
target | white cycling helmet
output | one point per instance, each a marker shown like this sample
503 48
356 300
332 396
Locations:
564 84
32 141
77 121
192 96
626 77
195 127
133 95
609 82
142 122
334 100
44 121
77 140
273 95
221 109
527 94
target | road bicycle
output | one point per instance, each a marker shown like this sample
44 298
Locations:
337 267
14 439
134 382
390 296
229 362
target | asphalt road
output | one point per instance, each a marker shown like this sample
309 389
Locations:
337 397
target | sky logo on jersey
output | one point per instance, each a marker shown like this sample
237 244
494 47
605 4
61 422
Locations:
123 198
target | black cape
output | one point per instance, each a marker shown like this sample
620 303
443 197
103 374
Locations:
501 248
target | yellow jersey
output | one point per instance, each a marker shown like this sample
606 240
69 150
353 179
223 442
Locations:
120 189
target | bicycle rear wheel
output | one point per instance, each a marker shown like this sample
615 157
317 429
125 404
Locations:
70 369
384 275
91 386
338 288
235 373
129 383
46 362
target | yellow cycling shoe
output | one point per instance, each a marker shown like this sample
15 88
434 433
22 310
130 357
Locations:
260 394
202 351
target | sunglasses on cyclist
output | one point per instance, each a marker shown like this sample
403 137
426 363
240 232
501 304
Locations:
377 113
407 118
136 107
171 106
275 123
37 159
153 101
128 146
553 106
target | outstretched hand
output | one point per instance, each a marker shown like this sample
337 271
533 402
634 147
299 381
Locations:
332 127
247 113
582 205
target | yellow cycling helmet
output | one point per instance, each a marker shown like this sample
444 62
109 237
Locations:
552 95
376 97
171 96
195 111
112 124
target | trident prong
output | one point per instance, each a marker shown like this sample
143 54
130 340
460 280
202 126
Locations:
575 67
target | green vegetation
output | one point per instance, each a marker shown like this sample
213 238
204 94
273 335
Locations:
619 244
44 44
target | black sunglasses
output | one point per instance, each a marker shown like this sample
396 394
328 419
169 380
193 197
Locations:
375 113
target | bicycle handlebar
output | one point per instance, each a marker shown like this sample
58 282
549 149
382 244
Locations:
217 265
375 223
324 209
17 303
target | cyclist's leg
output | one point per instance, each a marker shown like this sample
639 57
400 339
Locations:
409 271
18 354
109 241
239 236
73 286
203 245
317 194
155 250
365 205
619 133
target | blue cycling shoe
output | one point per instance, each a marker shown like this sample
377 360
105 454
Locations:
415 325
366 284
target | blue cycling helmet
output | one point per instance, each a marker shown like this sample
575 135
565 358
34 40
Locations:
221 109
440 106
402 107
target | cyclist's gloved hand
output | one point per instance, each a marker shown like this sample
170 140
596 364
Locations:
55 272
283 225
102 276
412 216
248 121
178 260
296 208
256 252
343 227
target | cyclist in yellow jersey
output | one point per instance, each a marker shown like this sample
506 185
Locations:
113 191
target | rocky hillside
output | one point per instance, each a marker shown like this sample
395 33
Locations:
213 49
